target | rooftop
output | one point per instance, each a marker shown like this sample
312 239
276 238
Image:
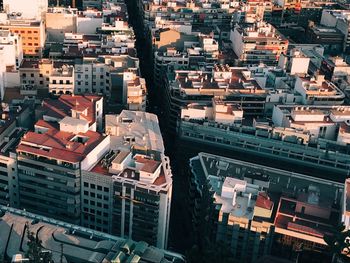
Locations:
58 145
136 128
80 244
65 105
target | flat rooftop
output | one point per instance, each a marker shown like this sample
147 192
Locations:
141 127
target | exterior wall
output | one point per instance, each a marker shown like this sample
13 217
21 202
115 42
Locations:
237 43
97 201
91 77
299 65
49 189
40 77
88 25
33 37
57 24
34 9
193 113
96 154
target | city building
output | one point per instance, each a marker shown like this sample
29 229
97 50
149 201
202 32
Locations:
258 210
32 33
128 193
82 107
258 43
321 122
318 91
78 244
60 20
50 160
35 10
62 80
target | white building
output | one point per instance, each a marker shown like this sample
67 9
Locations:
26 9
218 111
328 122
88 21
62 80
318 91
129 191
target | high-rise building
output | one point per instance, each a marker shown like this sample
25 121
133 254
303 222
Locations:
72 243
27 10
50 161
128 193
32 33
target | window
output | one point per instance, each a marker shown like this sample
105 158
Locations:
86 201
86 184
92 194
92 186
92 202
105 206
32 75
99 188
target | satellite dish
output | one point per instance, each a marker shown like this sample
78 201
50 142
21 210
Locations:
19 14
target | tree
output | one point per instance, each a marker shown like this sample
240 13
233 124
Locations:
339 243
35 252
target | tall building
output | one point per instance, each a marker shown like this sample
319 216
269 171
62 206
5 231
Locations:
28 10
72 243
258 210
50 161
258 43
128 193
32 33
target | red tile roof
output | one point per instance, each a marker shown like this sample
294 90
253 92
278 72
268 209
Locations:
263 201
62 107
58 144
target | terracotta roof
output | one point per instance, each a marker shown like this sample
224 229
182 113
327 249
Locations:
59 145
149 165
63 106
263 201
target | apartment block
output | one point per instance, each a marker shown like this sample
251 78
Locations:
258 43
128 193
79 244
321 122
50 160
83 107
60 20
32 33
62 80
35 10
259 210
